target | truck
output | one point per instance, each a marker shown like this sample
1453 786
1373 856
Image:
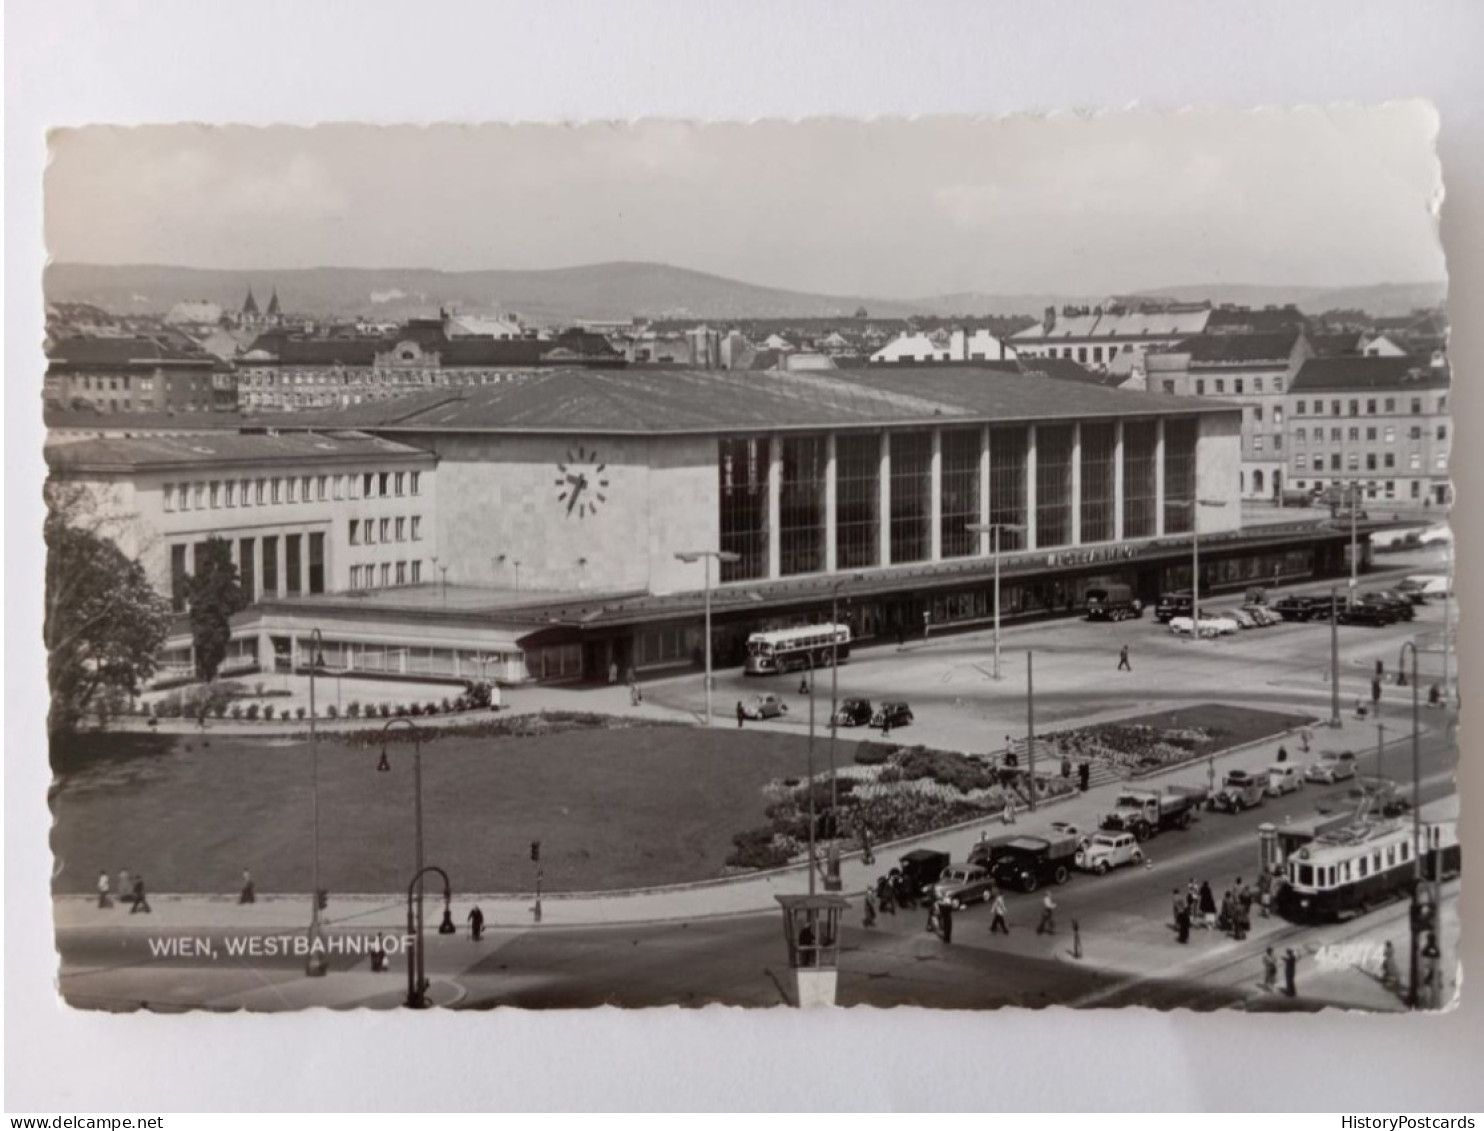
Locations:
1240 790
1112 602
1148 812
1027 862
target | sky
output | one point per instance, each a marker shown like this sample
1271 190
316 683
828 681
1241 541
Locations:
893 208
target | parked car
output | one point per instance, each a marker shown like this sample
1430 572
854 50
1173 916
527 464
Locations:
922 867
1390 599
854 713
1211 625
962 884
895 714
1332 766
1176 604
1106 851
1243 618
1112 602
1284 777
1263 615
765 706
1303 608
1368 616
1413 589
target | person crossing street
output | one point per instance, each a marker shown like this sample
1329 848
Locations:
1047 925
997 915
1123 664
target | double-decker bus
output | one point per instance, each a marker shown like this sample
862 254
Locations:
788 649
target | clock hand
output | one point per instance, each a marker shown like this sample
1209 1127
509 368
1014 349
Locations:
577 490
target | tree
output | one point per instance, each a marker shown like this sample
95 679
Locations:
861 313
104 622
214 594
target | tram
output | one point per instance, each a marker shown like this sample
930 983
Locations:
786 649
1343 871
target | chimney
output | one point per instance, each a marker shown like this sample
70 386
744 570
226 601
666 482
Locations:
1048 320
1438 360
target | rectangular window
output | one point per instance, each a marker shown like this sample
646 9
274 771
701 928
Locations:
1257 443
1370 433
382 481
801 505
293 563
277 490
167 495
1443 404
1442 431
1237 386
246 571
292 488
214 493
1416 406
1053 485
742 475
320 483
1354 461
1277 443
1169 386
1354 408
1139 476
1256 385
416 482
1370 461
417 572
369 529
198 495
1257 413
1200 387
1299 407
1370 407
368 485
352 486
386 574
1440 461
417 531
1082 354
1099 453
401 530
270 565
258 489
316 563
306 488
230 491
1334 408
355 577
355 532
1336 435
1390 404
398 482
1180 445
1354 435
385 533
1390 460
178 577
339 487
959 495
857 499
401 573
1390 434
1220 386
1415 432
1301 462
1414 463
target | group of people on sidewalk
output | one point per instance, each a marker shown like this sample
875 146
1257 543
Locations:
887 895
1195 905
130 891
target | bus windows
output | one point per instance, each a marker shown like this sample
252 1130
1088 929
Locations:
1306 875
1361 864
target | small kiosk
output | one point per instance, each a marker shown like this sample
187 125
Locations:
811 927
1270 852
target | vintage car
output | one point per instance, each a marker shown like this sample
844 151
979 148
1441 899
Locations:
986 852
962 884
765 706
1399 603
1284 777
854 713
1332 766
1240 790
1303 608
1367 616
1262 614
1106 851
921 869
1211 625
1243 618
892 714
1171 605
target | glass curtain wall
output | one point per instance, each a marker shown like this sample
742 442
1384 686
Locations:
801 511
1180 434
1140 484
1053 485
857 500
960 475
911 496
1007 452
742 466
1098 452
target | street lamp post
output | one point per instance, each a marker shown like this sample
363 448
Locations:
993 529
317 965
417 981
1030 726
1412 996
416 963
1194 505
835 677
1334 656
812 820
705 556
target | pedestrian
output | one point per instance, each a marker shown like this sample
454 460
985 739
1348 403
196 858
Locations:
1389 976
612 671
1306 736
1290 966
1242 917
741 715
997 915
103 900
1282 753
1008 816
476 924
927 624
803 685
932 919
635 695
1227 918
945 922
378 956
1435 696
869 917
1066 766
1193 896
1269 970
887 896
867 857
1047 925
1182 924
1123 664
1178 905
1208 905
249 892
141 903
1265 892
1084 775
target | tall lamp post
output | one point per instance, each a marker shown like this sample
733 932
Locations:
416 964
1030 726
835 676
705 556
993 529
317 965
1412 995
1334 656
1194 505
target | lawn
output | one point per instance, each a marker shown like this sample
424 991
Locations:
1228 726
612 808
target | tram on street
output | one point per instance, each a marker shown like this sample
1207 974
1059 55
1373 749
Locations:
788 649
1346 869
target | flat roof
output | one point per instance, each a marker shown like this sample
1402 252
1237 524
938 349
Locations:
145 453
708 401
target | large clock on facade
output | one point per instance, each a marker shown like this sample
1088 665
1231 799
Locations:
582 483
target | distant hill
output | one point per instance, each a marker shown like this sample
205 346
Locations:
617 291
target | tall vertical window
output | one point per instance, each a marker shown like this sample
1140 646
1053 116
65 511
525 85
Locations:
178 577
417 571
399 481
1098 452
1140 481
293 565
258 488
960 491
801 532
316 563
417 528
167 495
742 472
911 496
1007 484
1180 436
857 499
270 565
1053 485
247 574
416 482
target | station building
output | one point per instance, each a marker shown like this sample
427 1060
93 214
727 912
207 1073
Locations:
563 500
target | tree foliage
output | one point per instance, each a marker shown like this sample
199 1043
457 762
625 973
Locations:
214 593
104 622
